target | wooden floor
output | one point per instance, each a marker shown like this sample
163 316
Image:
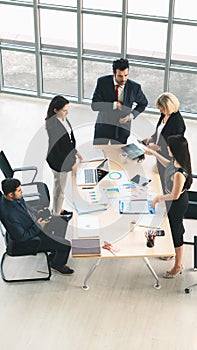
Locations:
121 310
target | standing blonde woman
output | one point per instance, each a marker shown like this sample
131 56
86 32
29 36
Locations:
170 123
62 153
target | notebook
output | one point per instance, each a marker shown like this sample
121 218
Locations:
91 176
82 247
133 151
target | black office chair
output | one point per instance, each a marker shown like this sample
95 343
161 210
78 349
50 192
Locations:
8 171
192 214
38 198
36 195
19 249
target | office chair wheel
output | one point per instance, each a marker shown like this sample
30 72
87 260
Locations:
85 287
157 286
188 290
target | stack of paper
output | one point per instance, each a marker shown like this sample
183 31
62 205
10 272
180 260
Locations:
93 154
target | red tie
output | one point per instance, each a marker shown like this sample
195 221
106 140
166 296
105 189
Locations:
117 87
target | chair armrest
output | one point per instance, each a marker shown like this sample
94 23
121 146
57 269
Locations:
28 168
31 195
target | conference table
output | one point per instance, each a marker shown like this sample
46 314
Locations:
115 227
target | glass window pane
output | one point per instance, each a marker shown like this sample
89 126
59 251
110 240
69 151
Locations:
183 47
19 70
59 75
92 71
72 3
150 7
146 38
151 81
182 85
185 9
12 24
56 28
110 5
102 38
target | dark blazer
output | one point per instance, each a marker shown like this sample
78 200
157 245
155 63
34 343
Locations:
175 125
16 220
61 148
104 96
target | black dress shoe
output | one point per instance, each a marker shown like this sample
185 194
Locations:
65 212
67 215
64 270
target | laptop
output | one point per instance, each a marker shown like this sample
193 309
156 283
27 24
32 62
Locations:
87 176
133 151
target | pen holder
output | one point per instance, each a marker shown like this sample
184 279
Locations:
132 225
150 236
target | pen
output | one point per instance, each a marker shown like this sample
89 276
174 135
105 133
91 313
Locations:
87 188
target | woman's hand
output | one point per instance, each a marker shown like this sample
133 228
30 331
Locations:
155 201
74 169
148 151
79 156
147 140
154 147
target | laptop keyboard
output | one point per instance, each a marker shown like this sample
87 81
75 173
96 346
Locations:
89 175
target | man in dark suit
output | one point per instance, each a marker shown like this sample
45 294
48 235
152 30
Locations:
113 98
22 224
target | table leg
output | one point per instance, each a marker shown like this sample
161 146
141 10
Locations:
147 262
90 272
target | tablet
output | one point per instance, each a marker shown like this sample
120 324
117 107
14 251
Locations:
133 151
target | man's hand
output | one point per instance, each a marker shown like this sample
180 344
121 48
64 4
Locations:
41 222
119 105
125 119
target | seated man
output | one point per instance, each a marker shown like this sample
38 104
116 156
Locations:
22 224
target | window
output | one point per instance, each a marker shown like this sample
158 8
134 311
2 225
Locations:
58 28
12 24
19 70
52 46
59 75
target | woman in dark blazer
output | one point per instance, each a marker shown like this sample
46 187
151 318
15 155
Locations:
170 123
62 154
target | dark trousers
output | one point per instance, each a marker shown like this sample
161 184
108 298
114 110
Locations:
53 240
105 132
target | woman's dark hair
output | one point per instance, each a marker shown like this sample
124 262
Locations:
120 64
58 102
179 148
10 185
